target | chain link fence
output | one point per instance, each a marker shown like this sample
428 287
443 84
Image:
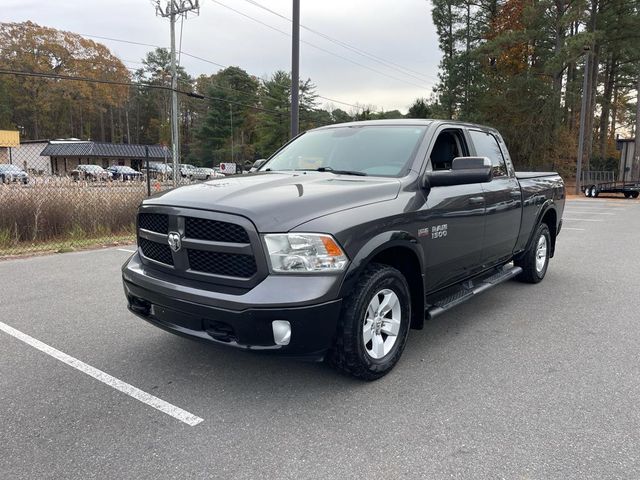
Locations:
58 196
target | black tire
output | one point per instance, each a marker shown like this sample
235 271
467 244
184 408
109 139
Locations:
627 194
530 272
349 354
594 192
635 195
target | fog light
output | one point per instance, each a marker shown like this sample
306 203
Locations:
281 332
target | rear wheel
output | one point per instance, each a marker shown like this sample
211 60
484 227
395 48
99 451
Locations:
627 194
535 260
635 195
374 324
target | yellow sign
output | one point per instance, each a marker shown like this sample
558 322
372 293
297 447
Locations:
9 138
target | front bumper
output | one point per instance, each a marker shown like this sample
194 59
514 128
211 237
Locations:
239 320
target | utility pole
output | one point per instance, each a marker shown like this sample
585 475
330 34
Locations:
171 10
231 117
583 116
635 165
295 69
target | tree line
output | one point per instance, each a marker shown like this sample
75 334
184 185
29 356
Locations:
518 65
241 116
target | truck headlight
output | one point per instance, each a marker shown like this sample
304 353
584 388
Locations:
304 252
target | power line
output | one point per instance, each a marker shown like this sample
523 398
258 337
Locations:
411 73
186 82
121 40
318 47
55 76
196 57
205 60
340 102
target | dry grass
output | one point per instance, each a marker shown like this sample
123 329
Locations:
63 213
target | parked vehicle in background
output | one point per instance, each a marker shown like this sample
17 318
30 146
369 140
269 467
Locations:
159 171
186 170
205 173
257 164
124 173
12 173
92 173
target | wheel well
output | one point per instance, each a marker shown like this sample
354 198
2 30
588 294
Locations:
407 262
550 218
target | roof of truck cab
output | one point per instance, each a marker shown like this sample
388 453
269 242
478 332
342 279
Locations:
422 122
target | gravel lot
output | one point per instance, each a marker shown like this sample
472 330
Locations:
523 382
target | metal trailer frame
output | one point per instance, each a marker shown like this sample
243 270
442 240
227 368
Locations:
596 182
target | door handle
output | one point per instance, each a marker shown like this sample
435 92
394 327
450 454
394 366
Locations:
476 200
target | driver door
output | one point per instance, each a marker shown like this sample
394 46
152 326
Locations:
452 217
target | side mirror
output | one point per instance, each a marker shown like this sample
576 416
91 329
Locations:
464 170
257 164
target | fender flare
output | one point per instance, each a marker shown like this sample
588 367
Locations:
544 209
373 247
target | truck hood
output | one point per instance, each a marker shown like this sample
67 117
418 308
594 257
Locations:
279 201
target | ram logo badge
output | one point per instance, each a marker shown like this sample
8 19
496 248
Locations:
175 241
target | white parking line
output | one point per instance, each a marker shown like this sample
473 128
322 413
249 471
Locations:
105 378
582 219
589 213
569 228
598 204
126 250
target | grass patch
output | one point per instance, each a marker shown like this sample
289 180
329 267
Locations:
59 246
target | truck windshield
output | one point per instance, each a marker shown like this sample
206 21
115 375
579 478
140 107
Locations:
371 150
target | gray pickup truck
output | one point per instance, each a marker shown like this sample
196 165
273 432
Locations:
345 239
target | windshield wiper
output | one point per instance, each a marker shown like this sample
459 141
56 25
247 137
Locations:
341 172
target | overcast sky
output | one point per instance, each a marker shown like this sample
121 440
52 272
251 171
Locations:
398 31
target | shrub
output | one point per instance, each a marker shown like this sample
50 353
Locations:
52 209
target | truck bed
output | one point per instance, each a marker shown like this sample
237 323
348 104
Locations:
526 175
538 190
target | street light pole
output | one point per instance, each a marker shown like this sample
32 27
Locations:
231 117
295 69
635 166
175 142
583 116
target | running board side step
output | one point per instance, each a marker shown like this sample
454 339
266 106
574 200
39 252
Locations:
469 289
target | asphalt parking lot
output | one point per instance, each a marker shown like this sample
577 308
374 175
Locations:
523 382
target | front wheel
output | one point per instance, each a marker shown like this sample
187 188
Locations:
374 324
535 261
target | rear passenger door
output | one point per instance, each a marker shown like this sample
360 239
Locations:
503 200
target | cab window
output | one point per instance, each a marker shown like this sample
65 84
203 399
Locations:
448 145
487 146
